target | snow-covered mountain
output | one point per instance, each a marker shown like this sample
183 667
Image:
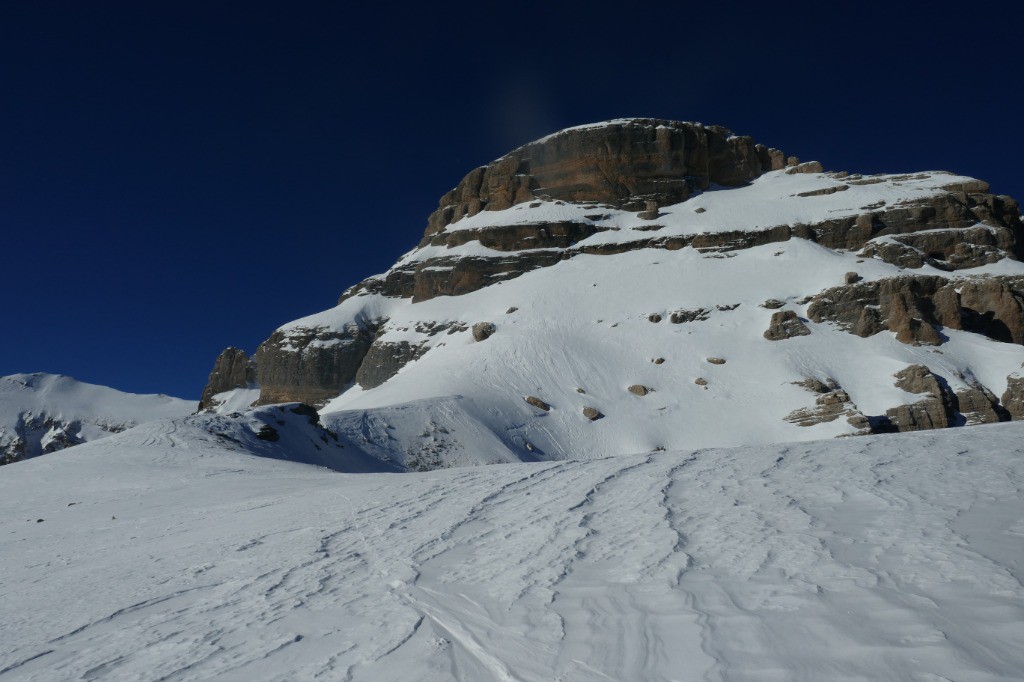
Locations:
169 552
627 298
41 413
639 285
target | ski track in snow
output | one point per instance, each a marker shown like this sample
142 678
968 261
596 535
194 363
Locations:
895 557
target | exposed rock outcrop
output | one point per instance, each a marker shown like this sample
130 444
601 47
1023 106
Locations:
994 307
624 164
785 325
962 228
831 403
978 405
383 360
683 316
1013 397
936 411
311 365
232 369
913 306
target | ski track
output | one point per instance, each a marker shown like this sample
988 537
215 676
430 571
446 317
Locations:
872 558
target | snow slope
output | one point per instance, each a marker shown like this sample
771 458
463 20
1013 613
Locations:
889 557
583 324
43 412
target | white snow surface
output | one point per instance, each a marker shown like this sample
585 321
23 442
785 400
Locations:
167 552
85 411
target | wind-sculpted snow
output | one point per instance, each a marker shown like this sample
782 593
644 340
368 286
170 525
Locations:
167 552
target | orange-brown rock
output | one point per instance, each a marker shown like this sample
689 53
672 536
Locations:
913 306
994 309
621 163
935 411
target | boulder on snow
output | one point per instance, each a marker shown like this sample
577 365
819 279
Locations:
681 316
716 361
638 389
537 402
483 330
592 413
785 325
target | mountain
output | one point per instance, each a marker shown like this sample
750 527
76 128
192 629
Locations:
42 413
638 285
168 552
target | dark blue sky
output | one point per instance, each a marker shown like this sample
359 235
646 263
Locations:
177 177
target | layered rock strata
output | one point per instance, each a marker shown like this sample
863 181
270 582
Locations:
914 307
831 402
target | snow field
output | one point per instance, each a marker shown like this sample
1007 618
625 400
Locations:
892 557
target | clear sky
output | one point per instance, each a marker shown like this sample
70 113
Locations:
178 177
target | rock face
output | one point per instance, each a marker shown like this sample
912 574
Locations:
383 360
978 405
785 325
913 306
623 164
312 365
232 369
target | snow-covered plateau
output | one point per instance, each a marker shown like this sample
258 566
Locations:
167 552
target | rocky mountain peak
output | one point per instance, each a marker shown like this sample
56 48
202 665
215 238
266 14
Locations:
629 254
